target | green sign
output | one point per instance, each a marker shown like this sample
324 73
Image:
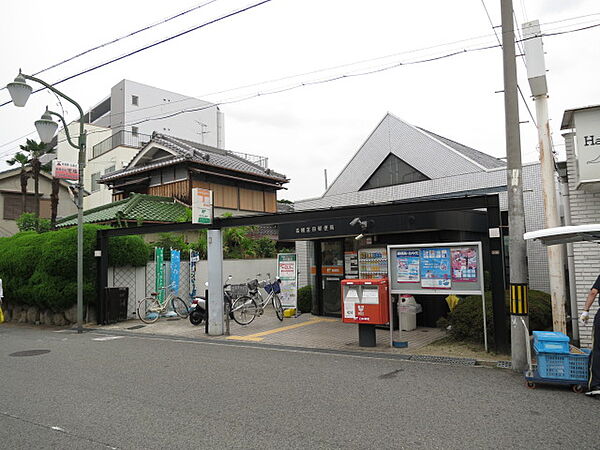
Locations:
160 273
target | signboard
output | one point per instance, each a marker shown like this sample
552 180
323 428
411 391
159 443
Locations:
445 269
351 264
65 170
194 258
587 127
287 273
202 210
160 273
175 269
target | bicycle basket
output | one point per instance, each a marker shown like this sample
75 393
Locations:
275 287
237 290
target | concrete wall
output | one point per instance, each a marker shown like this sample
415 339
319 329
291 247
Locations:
585 209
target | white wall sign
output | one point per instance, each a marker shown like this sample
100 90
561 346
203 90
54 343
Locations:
587 129
287 272
202 210
65 170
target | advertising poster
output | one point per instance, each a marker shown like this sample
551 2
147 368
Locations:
160 272
464 264
351 264
407 266
286 272
435 268
175 270
65 170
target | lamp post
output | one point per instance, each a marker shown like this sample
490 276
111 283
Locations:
20 91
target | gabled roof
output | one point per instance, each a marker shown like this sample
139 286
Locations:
138 207
432 155
180 150
17 171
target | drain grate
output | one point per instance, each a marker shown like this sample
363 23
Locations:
29 353
444 360
504 365
135 327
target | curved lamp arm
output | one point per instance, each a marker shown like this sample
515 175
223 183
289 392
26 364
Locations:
66 128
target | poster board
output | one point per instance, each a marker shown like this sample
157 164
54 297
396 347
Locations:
288 274
202 206
436 269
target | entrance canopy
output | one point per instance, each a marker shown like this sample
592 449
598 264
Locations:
565 235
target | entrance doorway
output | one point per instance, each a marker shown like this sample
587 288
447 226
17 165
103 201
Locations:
332 272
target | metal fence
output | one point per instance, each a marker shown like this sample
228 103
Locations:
123 137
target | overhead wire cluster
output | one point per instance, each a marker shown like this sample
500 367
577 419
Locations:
475 44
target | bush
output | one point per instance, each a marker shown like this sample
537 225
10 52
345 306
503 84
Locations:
467 324
31 222
41 269
305 299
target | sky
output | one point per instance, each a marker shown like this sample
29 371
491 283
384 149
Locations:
318 125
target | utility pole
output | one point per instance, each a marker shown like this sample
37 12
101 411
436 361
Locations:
517 249
536 74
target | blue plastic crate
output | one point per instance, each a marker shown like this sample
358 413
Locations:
570 366
550 342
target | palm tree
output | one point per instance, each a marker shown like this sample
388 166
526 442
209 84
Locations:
35 150
21 158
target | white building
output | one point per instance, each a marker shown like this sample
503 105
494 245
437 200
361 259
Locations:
119 125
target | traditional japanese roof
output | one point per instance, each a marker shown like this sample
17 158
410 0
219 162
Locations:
137 208
428 153
163 150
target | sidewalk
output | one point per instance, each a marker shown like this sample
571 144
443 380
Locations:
306 331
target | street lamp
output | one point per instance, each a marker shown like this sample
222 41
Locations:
20 91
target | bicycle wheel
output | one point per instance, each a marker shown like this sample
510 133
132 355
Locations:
148 310
180 307
244 310
278 307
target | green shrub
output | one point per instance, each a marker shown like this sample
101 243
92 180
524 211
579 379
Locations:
31 222
305 299
467 323
41 269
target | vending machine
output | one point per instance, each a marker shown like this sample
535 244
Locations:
365 301
372 263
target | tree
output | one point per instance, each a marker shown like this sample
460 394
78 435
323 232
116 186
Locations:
35 151
54 202
21 159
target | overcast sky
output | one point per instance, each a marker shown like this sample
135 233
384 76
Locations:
316 127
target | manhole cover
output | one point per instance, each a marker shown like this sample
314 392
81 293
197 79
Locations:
30 353
136 327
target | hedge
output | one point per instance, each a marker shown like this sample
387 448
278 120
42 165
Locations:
41 269
466 322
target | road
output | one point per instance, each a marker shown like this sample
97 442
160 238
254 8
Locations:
97 391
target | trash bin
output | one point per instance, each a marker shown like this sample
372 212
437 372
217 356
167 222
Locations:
408 308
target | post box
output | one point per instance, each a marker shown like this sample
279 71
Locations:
365 301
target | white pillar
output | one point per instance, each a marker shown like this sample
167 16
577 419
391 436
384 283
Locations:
215 283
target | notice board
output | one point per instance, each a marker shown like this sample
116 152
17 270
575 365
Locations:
440 269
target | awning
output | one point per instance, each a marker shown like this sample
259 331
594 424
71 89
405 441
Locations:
565 235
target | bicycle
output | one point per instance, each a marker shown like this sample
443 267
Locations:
273 289
150 308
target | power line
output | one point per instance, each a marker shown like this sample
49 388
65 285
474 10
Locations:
125 36
149 46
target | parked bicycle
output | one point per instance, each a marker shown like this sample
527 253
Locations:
241 309
272 288
150 308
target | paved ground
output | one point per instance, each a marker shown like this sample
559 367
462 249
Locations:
95 390
306 331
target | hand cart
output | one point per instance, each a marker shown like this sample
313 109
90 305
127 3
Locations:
569 369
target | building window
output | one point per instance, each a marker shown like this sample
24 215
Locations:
109 170
95 184
135 100
13 205
391 172
135 131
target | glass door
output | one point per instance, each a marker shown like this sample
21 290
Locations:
332 272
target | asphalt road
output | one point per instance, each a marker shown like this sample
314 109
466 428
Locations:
143 392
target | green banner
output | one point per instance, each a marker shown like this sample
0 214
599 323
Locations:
160 273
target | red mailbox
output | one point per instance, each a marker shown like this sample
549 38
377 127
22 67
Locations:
365 301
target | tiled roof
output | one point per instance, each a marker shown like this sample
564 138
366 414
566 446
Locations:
195 152
138 207
487 161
